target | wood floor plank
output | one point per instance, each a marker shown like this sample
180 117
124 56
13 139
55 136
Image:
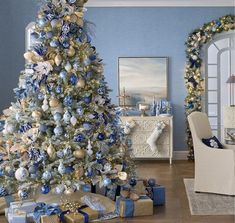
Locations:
176 209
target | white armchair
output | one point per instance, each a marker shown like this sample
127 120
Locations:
214 168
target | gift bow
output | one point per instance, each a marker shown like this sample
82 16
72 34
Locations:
79 210
44 209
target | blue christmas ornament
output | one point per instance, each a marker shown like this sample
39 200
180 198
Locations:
33 153
54 43
69 169
60 154
132 182
80 110
87 126
68 101
33 169
107 182
65 28
34 35
89 75
43 128
49 35
73 79
42 22
98 155
57 116
87 99
92 57
45 189
1 172
47 175
101 136
79 138
58 130
40 96
89 172
42 35
65 44
63 74
152 182
101 91
58 89
23 194
3 191
86 188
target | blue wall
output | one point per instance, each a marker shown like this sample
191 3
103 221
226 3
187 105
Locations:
119 32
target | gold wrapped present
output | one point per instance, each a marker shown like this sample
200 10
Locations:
50 219
129 208
84 215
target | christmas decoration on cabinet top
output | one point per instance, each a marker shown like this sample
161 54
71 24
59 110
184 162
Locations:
62 132
193 74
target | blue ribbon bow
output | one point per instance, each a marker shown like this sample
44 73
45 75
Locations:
44 209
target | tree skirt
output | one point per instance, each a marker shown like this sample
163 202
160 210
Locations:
208 204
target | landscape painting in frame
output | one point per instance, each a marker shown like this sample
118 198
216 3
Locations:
141 79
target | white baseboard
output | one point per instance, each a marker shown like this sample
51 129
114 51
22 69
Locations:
180 155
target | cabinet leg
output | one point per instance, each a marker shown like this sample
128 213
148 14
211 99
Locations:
170 161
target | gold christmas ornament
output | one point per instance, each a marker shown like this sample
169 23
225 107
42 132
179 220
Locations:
122 175
73 18
79 154
50 150
81 83
36 114
54 102
71 52
28 56
118 167
79 172
58 59
69 191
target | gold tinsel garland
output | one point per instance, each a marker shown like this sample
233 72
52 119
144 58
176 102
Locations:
193 75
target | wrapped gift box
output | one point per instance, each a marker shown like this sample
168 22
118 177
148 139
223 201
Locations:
84 215
17 216
50 219
27 206
129 208
5 201
157 194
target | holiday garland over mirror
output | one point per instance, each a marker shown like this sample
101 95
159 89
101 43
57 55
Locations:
193 74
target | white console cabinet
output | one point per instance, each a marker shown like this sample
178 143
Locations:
142 129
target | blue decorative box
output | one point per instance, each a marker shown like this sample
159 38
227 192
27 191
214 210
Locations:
157 194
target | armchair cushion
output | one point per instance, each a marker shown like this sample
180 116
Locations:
213 142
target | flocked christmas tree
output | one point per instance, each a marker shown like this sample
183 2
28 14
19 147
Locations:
62 131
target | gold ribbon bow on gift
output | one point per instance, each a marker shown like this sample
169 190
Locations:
130 193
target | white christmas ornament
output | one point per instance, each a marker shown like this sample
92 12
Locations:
46 175
89 149
67 117
68 67
45 105
152 140
21 174
73 121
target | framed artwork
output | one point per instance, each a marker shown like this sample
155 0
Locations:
141 79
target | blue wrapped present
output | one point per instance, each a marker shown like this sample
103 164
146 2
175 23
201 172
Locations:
157 194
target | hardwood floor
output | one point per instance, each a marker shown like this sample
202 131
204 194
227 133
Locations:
176 209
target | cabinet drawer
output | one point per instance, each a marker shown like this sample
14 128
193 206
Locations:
144 151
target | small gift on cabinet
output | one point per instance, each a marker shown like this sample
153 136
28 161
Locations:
156 192
126 207
83 214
